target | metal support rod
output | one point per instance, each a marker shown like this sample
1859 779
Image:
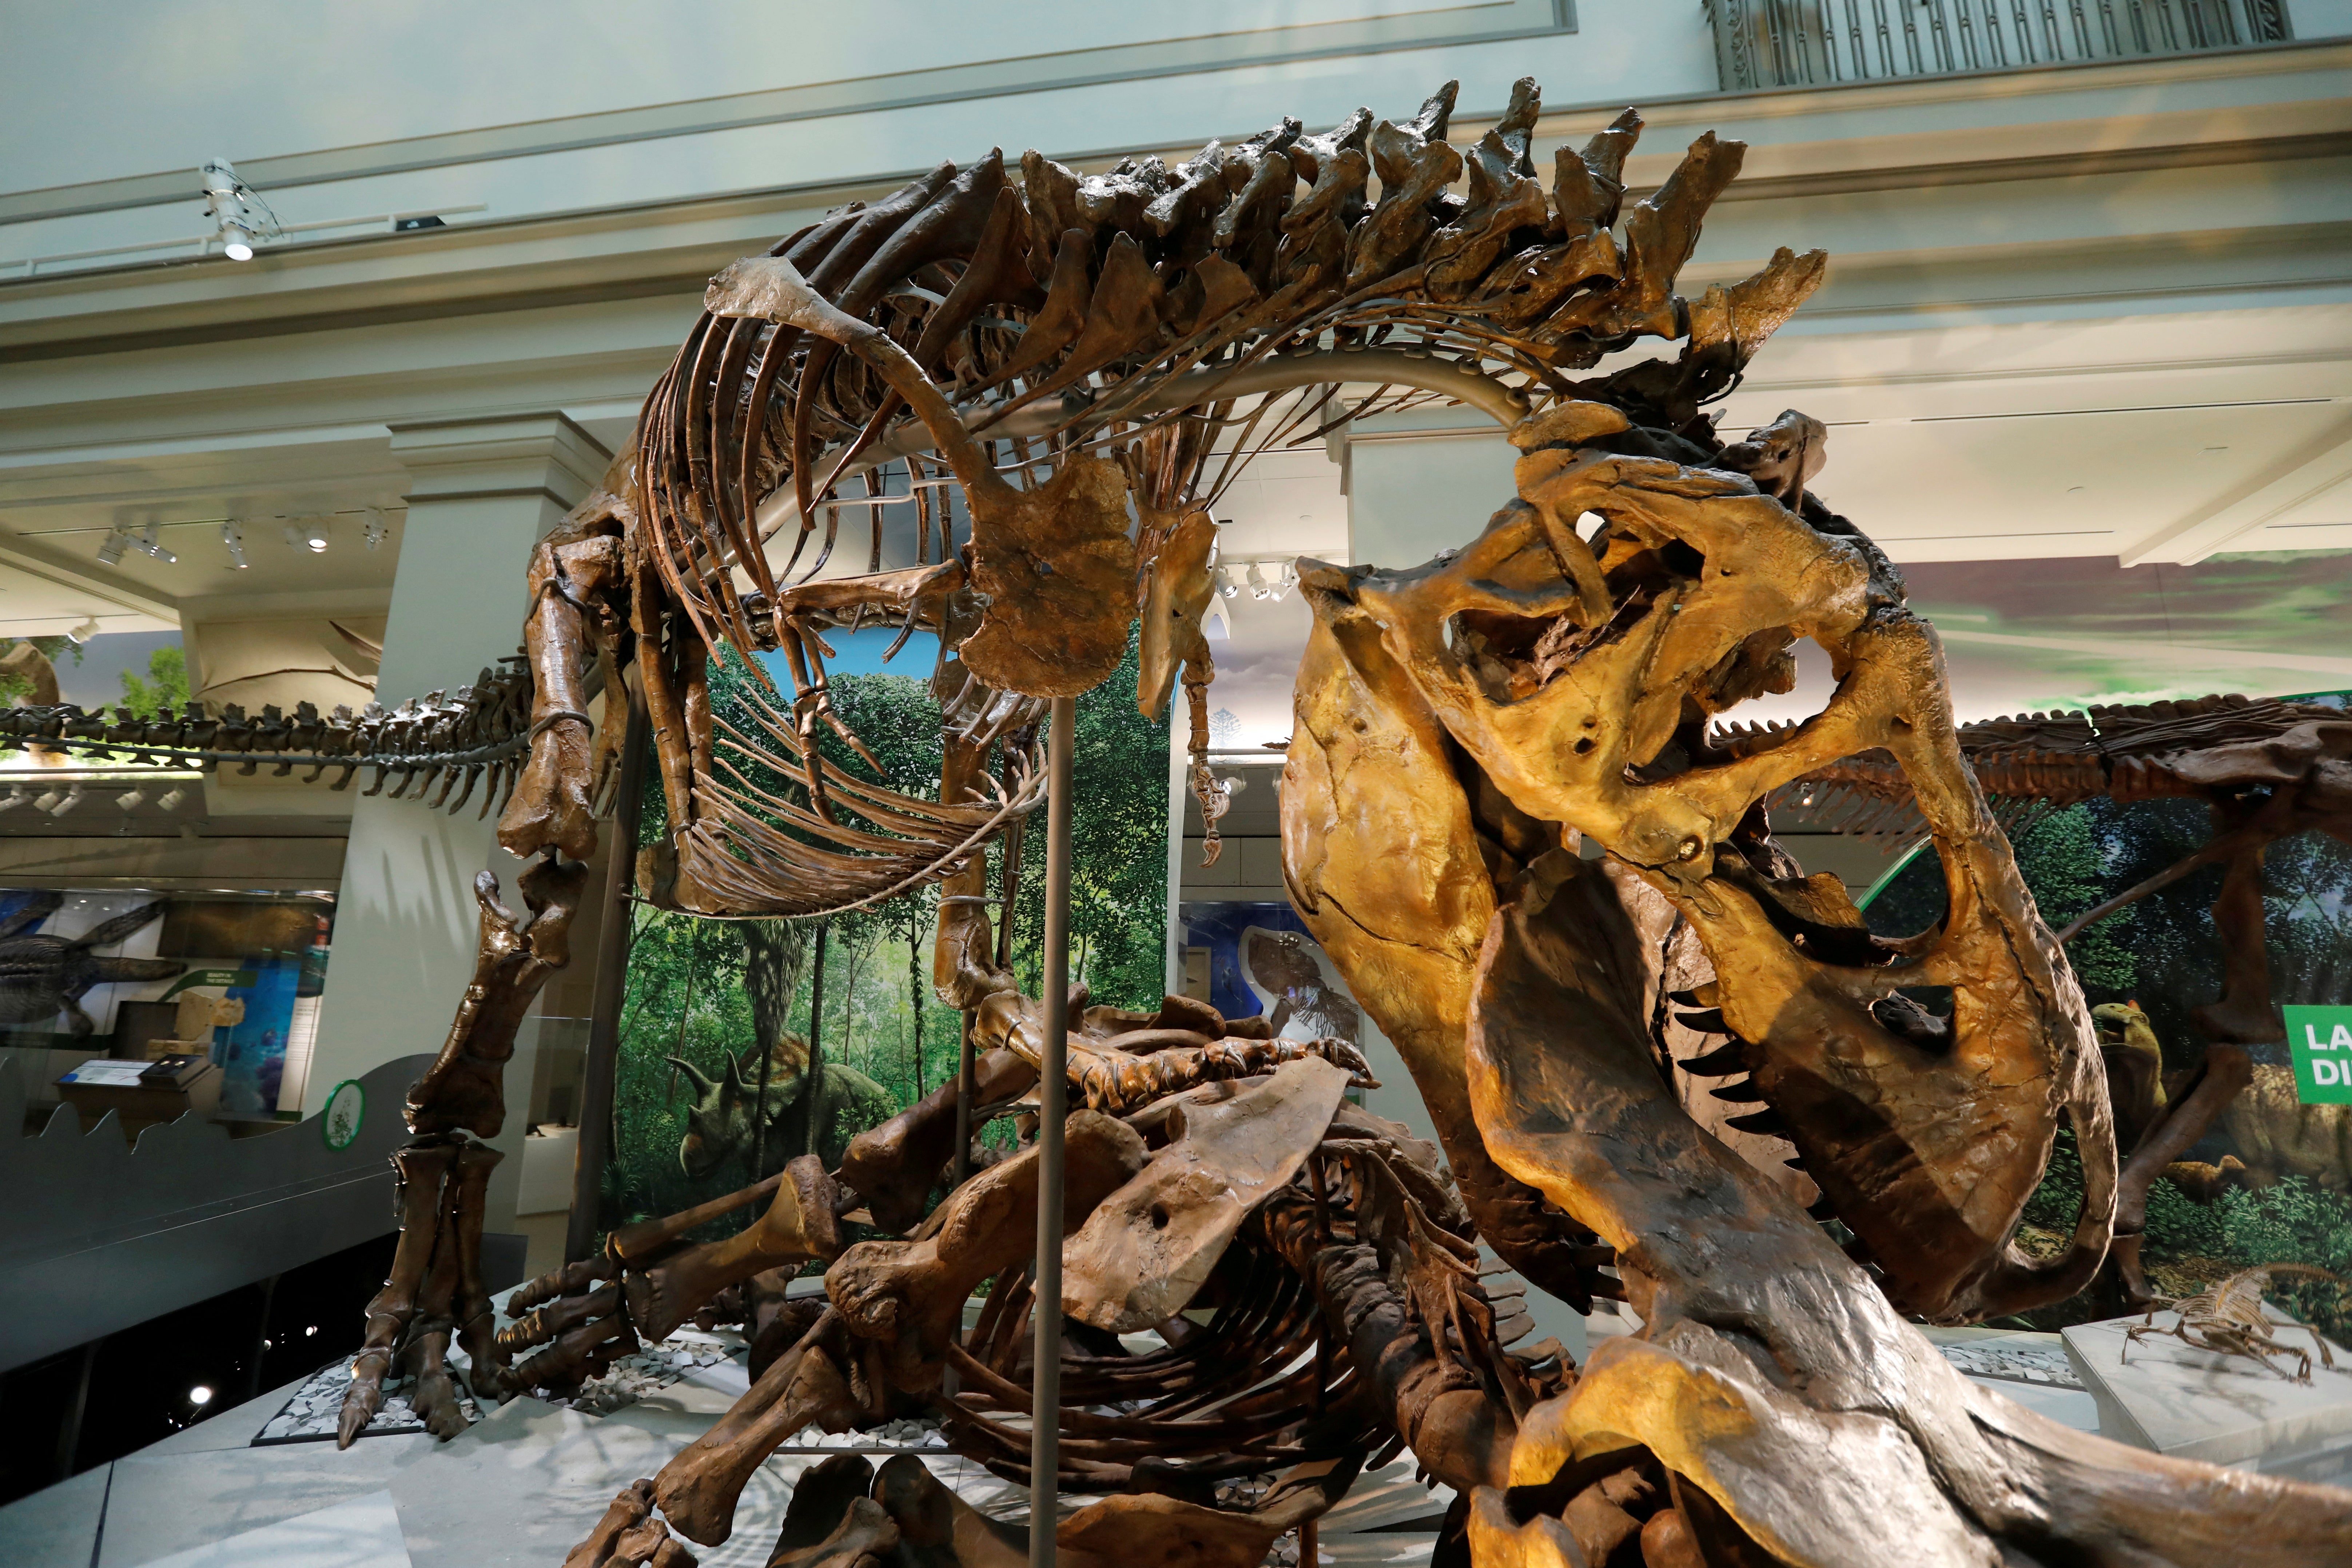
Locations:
815 1076
594 1146
1053 1095
967 1075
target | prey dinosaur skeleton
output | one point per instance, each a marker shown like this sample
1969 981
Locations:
1009 369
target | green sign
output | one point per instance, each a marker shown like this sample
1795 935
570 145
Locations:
346 1107
2321 1039
195 977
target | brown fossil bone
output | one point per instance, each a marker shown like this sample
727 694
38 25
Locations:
628 1536
895 1164
1147 1248
1052 564
1384 863
909 1295
1762 1339
698 1488
462 1089
1928 1153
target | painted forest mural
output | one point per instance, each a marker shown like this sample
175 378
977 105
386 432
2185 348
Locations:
2144 970
709 1002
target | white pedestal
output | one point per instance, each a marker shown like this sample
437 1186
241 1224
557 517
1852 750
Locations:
2166 1395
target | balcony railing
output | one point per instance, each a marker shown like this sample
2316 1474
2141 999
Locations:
1824 43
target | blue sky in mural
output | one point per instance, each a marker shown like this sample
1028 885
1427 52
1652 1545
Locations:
860 653
96 680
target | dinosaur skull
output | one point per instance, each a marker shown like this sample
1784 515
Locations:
1579 677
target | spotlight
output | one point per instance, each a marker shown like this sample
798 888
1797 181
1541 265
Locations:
82 633
200 1394
150 544
234 537
72 799
170 799
45 801
118 540
1284 582
307 533
16 798
231 204
375 526
132 799
1225 583
1257 584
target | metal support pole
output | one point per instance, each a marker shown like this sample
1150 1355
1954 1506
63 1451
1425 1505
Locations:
967 1075
596 1141
1053 1093
814 1083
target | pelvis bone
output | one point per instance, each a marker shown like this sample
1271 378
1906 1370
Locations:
1577 678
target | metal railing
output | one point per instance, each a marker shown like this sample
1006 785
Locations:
1824 43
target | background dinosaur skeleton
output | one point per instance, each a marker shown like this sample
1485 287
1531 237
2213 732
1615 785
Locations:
1031 361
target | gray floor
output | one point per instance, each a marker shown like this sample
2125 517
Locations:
519 1489
522 1485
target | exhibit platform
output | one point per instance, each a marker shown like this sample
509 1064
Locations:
522 1484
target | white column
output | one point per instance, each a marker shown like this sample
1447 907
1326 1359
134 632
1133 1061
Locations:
483 490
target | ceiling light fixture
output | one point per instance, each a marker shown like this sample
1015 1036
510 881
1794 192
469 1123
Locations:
150 544
242 217
79 634
72 799
171 798
234 537
118 540
16 798
307 533
132 799
375 527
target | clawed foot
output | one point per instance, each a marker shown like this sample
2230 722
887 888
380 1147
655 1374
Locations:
629 1535
576 1312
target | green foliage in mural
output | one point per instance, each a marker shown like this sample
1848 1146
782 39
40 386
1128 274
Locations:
2162 953
164 690
705 991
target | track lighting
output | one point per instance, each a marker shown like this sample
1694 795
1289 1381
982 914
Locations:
118 540
82 633
171 798
242 216
72 798
1225 583
132 799
234 537
45 801
1256 580
16 798
309 532
374 528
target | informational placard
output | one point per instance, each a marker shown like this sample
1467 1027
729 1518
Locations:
2321 1039
106 1074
